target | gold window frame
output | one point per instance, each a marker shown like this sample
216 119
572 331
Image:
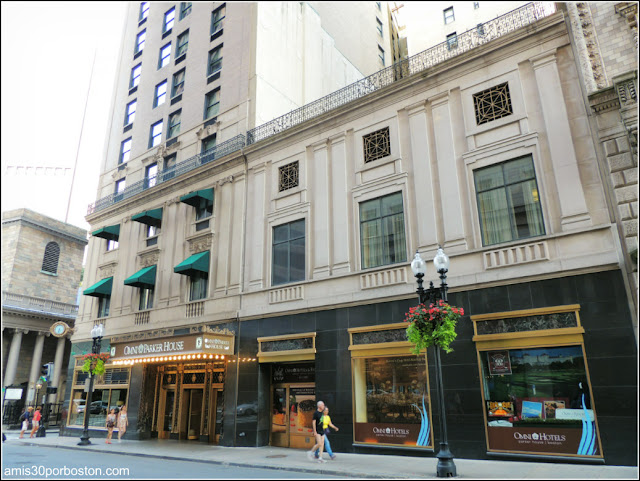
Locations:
308 354
568 336
97 384
386 349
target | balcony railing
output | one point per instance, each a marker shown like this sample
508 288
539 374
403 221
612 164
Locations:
466 41
9 299
481 34
220 150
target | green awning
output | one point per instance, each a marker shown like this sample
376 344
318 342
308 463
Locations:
194 198
110 232
100 289
145 278
195 264
149 217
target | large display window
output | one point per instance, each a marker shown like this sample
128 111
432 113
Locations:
110 392
535 383
391 401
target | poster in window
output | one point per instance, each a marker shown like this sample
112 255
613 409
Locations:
302 404
392 402
499 362
552 409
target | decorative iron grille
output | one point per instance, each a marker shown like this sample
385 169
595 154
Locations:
376 145
289 176
169 378
287 344
377 337
220 150
528 323
217 377
492 104
193 378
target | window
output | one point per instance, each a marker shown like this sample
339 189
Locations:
378 4
146 299
185 9
198 286
178 83
140 41
492 104
174 124
448 15
152 232
51 257
379 25
536 397
376 145
183 43
217 16
476 5
452 41
161 94
204 209
211 104
102 400
288 253
381 54
165 56
144 10
125 151
169 170
155 136
508 201
391 392
103 306
208 143
215 60
150 173
135 76
288 176
382 236
169 17
130 114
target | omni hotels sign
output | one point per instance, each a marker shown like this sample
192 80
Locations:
204 343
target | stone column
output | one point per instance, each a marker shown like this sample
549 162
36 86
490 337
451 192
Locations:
57 366
36 363
14 354
573 205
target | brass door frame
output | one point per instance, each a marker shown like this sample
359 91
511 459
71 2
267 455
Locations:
162 406
286 434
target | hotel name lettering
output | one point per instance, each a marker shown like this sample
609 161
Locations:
200 343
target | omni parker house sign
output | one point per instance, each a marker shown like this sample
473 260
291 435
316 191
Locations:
204 343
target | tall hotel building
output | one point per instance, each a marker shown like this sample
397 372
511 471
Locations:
272 169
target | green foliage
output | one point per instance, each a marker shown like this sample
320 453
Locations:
432 326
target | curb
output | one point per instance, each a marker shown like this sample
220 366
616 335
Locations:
320 471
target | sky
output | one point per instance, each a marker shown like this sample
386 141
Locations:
47 55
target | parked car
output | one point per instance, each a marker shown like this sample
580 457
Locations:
247 409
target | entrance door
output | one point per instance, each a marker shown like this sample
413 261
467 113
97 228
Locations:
292 411
195 413
165 418
280 417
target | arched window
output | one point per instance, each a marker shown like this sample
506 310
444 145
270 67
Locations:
51 256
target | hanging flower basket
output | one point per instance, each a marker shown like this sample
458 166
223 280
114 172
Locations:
432 326
94 363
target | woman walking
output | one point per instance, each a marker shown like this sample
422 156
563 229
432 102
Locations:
111 423
36 421
326 423
25 417
123 422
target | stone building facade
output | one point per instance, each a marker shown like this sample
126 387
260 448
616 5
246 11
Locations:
246 285
605 40
41 272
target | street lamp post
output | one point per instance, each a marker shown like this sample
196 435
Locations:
446 466
96 333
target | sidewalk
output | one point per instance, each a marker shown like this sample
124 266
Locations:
360 465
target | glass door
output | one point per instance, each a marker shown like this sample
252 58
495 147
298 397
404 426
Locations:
166 415
302 406
280 417
195 413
